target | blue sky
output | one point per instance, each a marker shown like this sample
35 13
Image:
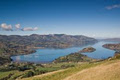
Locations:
94 18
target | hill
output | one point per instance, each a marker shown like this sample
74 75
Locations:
77 56
105 70
16 44
101 72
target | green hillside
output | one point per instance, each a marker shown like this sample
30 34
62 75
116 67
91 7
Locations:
104 70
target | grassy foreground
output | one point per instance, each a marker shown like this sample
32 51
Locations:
105 70
13 71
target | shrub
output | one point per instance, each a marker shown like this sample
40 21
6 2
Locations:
28 74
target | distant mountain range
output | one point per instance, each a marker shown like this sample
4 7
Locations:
112 39
14 44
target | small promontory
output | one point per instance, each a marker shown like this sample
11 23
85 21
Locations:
87 50
76 56
115 47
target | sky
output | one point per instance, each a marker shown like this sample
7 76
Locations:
94 18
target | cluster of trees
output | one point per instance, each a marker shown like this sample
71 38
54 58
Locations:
4 60
24 70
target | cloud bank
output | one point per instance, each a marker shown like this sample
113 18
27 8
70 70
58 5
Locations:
113 6
6 27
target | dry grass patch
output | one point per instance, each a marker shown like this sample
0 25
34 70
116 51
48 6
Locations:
102 72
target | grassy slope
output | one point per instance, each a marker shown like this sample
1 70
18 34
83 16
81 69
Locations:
102 72
14 74
106 70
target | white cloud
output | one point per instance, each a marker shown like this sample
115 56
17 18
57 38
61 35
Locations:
93 35
35 28
6 27
30 29
113 6
17 26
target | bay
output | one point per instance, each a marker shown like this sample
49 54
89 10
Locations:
47 55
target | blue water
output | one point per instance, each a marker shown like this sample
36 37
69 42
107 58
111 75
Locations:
48 55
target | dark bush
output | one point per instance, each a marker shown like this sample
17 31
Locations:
23 68
28 74
67 66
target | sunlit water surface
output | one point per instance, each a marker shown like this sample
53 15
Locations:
48 55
